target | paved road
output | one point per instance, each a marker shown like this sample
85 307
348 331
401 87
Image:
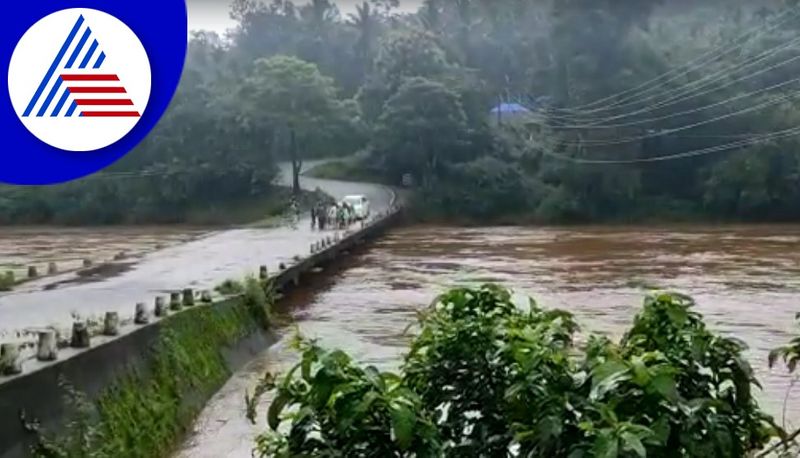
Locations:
201 263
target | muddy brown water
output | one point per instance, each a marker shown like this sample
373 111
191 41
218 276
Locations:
745 279
21 247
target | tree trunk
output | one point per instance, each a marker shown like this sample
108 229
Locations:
297 163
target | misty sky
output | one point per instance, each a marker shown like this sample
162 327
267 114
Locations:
213 14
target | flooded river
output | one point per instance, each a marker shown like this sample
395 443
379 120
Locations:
746 281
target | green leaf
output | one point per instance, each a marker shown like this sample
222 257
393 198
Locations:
275 409
322 387
633 442
606 446
641 375
374 376
606 377
664 385
366 403
550 428
608 369
354 413
677 314
403 422
661 430
305 365
773 356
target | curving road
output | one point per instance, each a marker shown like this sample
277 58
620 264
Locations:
201 263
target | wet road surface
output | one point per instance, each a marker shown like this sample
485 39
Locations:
746 281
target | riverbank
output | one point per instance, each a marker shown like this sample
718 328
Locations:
266 206
497 199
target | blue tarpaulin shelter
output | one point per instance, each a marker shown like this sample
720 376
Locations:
509 108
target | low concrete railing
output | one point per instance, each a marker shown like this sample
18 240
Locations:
10 279
97 352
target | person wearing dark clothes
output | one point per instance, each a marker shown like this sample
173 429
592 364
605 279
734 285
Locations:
313 216
322 218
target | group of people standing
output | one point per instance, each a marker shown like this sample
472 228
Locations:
337 215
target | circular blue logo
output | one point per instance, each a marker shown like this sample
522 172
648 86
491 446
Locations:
87 81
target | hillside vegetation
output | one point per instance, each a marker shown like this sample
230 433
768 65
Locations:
635 110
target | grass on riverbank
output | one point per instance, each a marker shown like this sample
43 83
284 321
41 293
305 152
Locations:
147 411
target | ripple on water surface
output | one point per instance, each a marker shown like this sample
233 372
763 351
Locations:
745 280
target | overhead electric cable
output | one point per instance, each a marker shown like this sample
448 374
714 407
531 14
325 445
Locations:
699 152
624 140
676 72
679 113
687 95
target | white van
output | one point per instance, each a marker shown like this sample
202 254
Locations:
360 205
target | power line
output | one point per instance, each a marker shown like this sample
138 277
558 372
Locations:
693 153
676 72
624 140
681 94
680 113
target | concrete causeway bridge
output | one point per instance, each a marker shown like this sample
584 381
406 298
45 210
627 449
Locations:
136 306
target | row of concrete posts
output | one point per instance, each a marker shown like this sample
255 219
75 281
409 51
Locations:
47 344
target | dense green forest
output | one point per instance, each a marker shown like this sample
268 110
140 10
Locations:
631 111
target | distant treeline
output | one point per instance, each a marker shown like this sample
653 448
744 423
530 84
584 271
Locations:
198 195
617 127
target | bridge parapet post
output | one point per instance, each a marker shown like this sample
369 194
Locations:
175 301
80 335
47 347
111 324
141 314
161 306
10 363
188 297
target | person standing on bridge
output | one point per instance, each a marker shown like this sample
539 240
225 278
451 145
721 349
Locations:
314 216
332 214
322 217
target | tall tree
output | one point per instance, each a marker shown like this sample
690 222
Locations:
422 126
366 22
285 92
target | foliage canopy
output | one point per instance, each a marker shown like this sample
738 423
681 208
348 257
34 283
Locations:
487 377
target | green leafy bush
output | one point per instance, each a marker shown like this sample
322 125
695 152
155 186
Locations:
468 356
336 409
258 297
230 287
789 353
492 378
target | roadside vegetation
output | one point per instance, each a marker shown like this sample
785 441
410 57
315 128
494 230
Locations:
154 400
355 168
602 81
485 376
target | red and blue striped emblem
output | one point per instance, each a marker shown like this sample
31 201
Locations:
76 84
